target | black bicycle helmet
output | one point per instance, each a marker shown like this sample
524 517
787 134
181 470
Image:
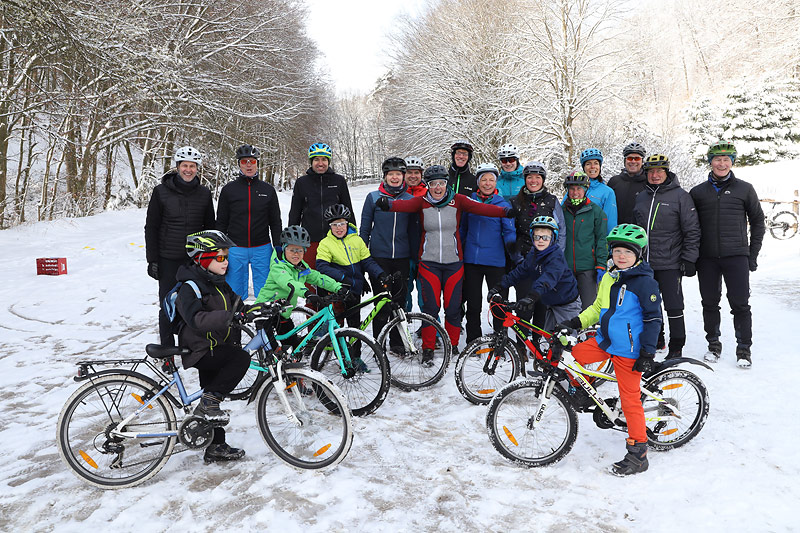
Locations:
337 211
393 163
634 148
207 241
297 235
435 172
247 150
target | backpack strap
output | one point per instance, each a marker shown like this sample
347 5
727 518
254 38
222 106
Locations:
194 286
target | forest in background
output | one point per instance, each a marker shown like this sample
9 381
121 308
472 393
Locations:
95 96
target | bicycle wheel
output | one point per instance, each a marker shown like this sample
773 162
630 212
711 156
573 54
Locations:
244 389
97 407
510 418
408 373
478 376
783 225
321 436
683 391
365 387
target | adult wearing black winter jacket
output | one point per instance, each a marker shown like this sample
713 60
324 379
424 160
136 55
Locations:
726 206
248 211
460 177
668 214
629 182
319 188
180 205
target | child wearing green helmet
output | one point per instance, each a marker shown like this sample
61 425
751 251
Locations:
628 309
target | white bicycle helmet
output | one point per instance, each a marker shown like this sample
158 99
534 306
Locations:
508 150
188 153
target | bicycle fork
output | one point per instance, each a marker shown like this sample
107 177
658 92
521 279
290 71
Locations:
405 334
280 388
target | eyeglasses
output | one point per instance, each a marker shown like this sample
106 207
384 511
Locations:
338 224
507 159
294 250
544 238
248 161
633 158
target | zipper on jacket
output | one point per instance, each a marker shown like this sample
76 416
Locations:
621 296
249 211
394 232
630 336
441 236
651 216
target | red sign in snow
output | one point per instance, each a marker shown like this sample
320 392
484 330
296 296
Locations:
51 266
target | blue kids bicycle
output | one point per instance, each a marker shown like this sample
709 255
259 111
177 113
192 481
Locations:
120 427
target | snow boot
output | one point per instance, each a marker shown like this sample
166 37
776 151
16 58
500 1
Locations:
427 358
208 408
743 357
222 452
455 350
359 365
634 462
661 345
714 350
675 354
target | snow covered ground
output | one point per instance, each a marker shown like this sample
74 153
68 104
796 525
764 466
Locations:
423 461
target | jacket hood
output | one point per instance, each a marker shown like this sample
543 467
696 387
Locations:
513 175
642 268
449 195
392 192
311 172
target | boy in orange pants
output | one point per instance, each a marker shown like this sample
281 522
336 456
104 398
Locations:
628 308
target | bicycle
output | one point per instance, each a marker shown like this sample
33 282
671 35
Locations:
490 362
781 225
355 363
119 428
533 422
405 360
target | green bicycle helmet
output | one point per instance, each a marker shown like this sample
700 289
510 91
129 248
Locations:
629 236
721 148
577 177
656 161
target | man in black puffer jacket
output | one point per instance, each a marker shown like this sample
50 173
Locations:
673 241
179 206
726 206
461 180
319 188
630 182
248 211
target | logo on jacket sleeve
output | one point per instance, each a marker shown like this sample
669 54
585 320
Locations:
653 298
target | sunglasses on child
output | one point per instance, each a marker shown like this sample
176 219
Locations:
544 238
218 258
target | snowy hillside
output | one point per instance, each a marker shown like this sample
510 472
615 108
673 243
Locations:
423 461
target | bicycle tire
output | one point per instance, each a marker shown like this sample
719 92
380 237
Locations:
244 389
365 391
509 417
94 408
407 371
685 391
325 435
476 385
783 225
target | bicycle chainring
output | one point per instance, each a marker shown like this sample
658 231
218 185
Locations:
195 432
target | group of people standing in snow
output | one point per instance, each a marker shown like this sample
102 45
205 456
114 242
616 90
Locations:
445 231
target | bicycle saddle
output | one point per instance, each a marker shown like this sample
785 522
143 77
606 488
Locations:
156 351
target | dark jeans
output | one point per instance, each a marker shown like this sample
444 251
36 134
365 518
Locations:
473 295
397 289
587 287
735 271
669 283
167 269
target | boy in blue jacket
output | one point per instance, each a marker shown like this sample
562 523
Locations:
628 308
552 281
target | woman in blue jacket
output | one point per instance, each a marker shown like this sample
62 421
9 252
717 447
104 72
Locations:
599 192
485 242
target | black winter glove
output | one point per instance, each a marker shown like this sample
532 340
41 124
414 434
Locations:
526 304
688 269
367 289
753 264
314 300
384 280
343 291
494 296
572 323
152 270
512 212
383 203
646 362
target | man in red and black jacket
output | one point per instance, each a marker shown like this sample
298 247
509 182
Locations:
248 212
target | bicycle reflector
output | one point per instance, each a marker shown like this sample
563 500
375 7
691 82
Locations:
510 436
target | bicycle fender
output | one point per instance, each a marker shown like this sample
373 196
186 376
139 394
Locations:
262 377
669 363
153 383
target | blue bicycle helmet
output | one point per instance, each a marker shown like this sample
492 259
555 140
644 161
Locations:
545 222
319 150
591 153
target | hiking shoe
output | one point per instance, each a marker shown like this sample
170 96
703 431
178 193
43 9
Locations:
208 408
675 354
398 351
359 365
714 350
634 462
455 350
427 358
743 357
222 452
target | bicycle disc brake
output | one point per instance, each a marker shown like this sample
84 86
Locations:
195 432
